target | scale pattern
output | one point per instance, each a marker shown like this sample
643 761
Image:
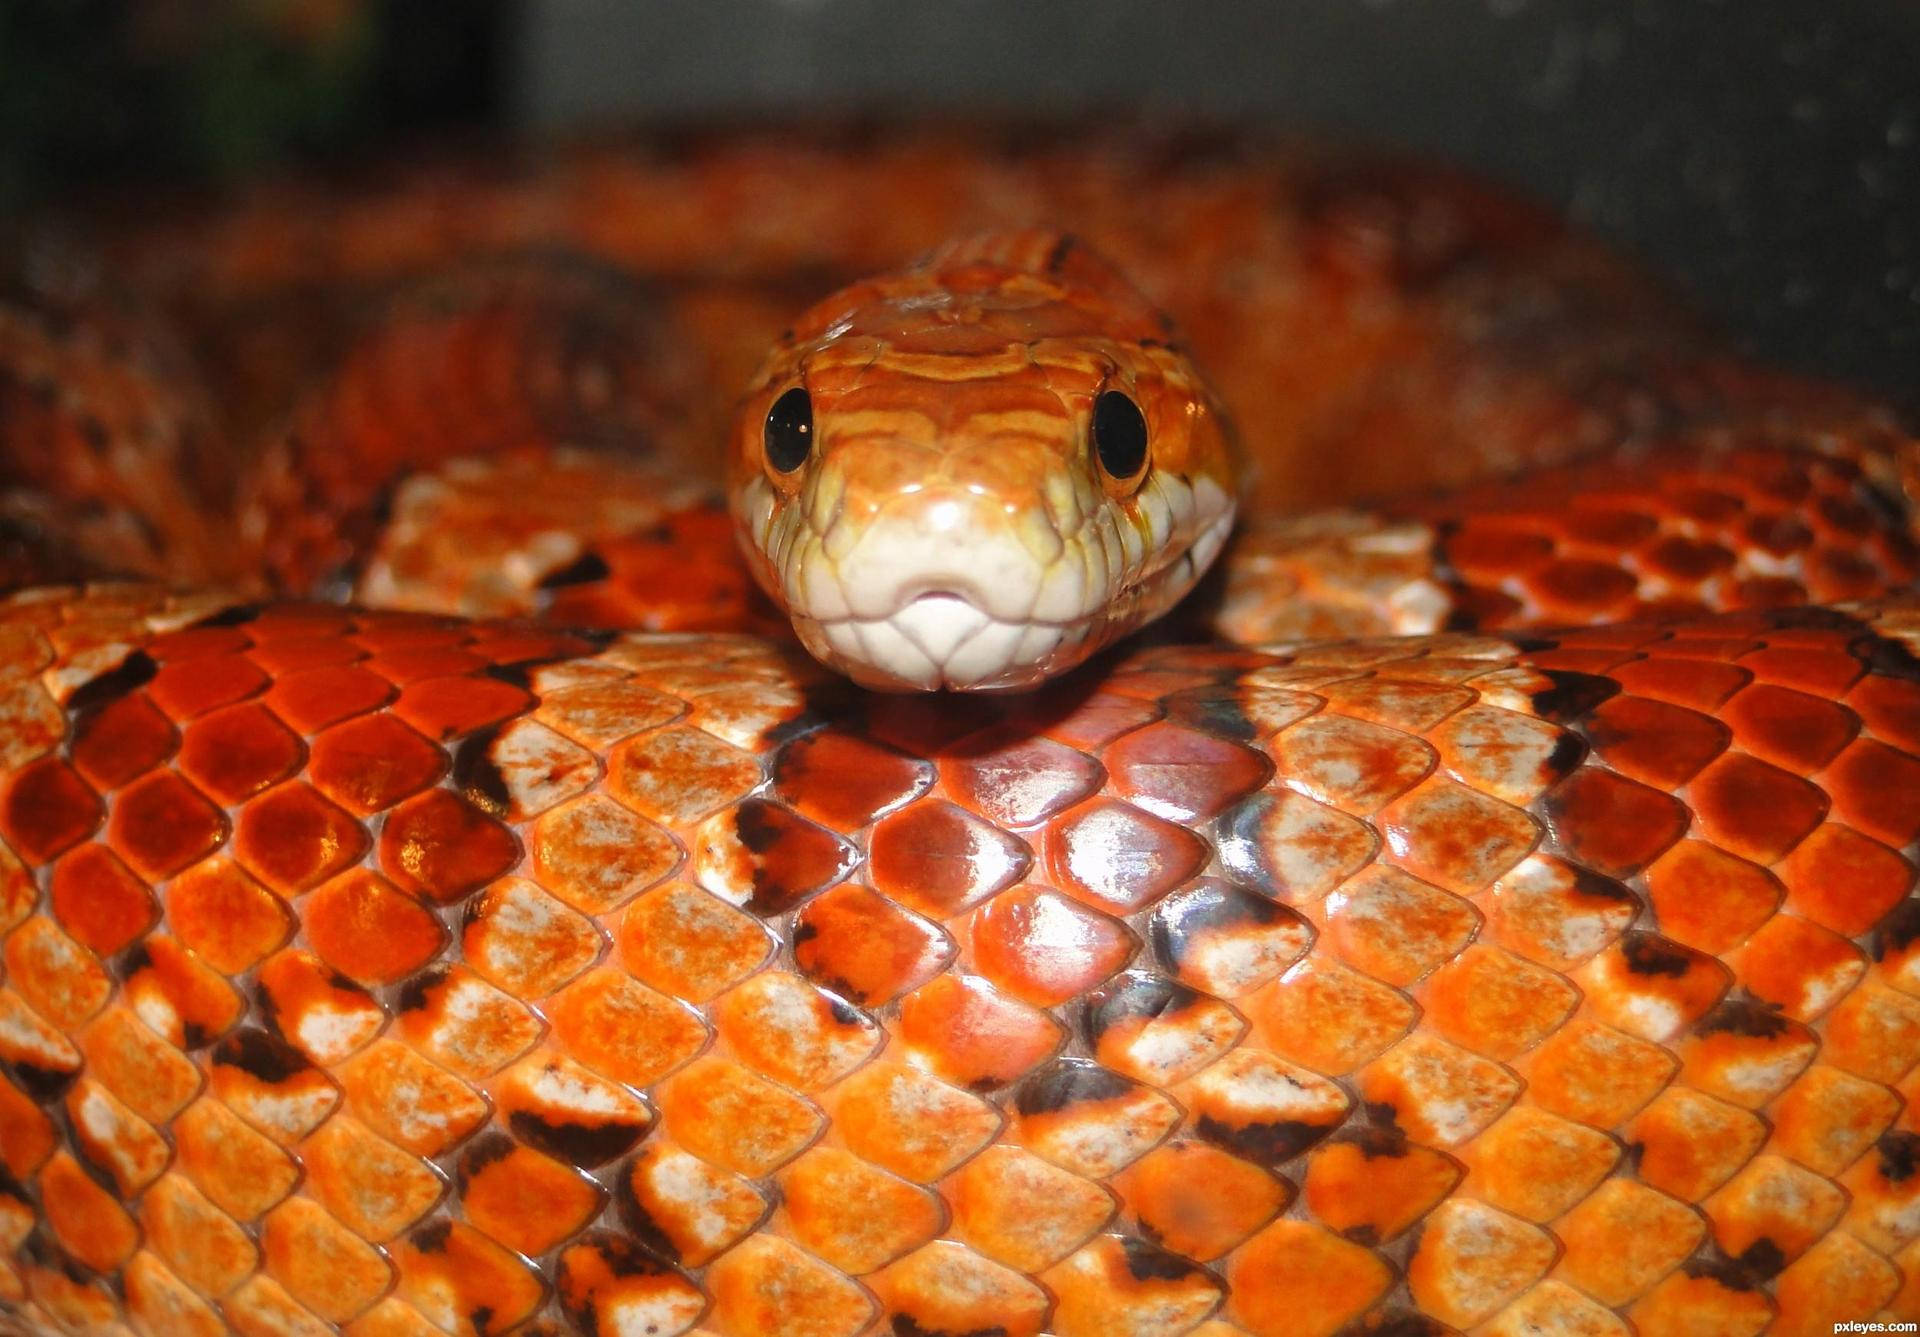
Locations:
389 974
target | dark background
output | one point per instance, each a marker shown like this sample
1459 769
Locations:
1765 153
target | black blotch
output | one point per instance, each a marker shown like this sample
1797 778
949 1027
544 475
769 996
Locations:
195 1036
432 1237
42 1085
639 1222
1532 645
261 1056
413 995
581 1144
755 825
1069 1082
1647 955
137 959
1133 997
476 777
1147 1263
1383 1139
1887 657
1761 1261
1722 1270
588 567
1573 696
237 615
1383 1115
1586 882
136 670
11 1187
1395 1325
1899 1155
1568 752
519 674
844 1013
1633 1153
95 433
486 1149
1215 710
1057 257
1267 1144
1898 930
1209 907
1742 1017
804 931
904 1326
481 1316
1365 1236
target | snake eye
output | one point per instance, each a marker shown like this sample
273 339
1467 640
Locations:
789 430
1119 435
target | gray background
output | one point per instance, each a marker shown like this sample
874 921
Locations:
1766 154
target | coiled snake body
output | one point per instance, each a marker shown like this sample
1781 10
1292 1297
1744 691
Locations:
1357 957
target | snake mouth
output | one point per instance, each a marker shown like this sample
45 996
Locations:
943 640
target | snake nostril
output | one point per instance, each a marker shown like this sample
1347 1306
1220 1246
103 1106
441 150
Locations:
788 434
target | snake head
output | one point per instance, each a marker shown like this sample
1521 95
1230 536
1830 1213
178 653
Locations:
976 472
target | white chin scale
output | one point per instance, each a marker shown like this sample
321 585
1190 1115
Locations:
944 641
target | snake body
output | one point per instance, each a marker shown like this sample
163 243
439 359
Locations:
1490 910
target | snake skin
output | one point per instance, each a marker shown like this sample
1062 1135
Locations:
408 974
1378 964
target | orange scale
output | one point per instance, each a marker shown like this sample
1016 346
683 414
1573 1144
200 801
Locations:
557 1106
1093 1122
121 741
845 781
1582 590
406 663
1496 1003
940 859
447 707
83 1218
239 751
793 1032
114 1140
1691 683
1021 1210
56 976
969 1033
1044 948
463 1023
1157 1031
1484 549
1436 1092
948 1126
524 940
371 763
1839 573
199 1241
99 901
1454 836
408 1100
1896 948
1884 1193
1890 709
1652 987
1296 1279
767 858
316 1009
856 1217
226 917
1612 825
1091 723
1372 1186
1120 1283
684 1208
624 1030
312 699
143 1070
323 1265
596 855
946 1287
1746 1052
1791 729
292 839
1754 809
1707 899
1472 1259
1226 941
368 931
1624 1238
302 653
768 1288
1828 1118
449 1267
1348 762
1117 858
1593 661
677 775
1876 789
442 847
521 1198
1694 644
191 688
375 1189
73 1303
1394 927
1810 668
1530 1163
47 808
509 643
1839 1275
1693 1301
865 947
1017 781
163 981
1798 966
607 1284
1689 1143
27 1135
687 943
1595 1075
1686 561
1772 1212
1327 1017
1664 745
1873 1033
1182 774
730 1116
